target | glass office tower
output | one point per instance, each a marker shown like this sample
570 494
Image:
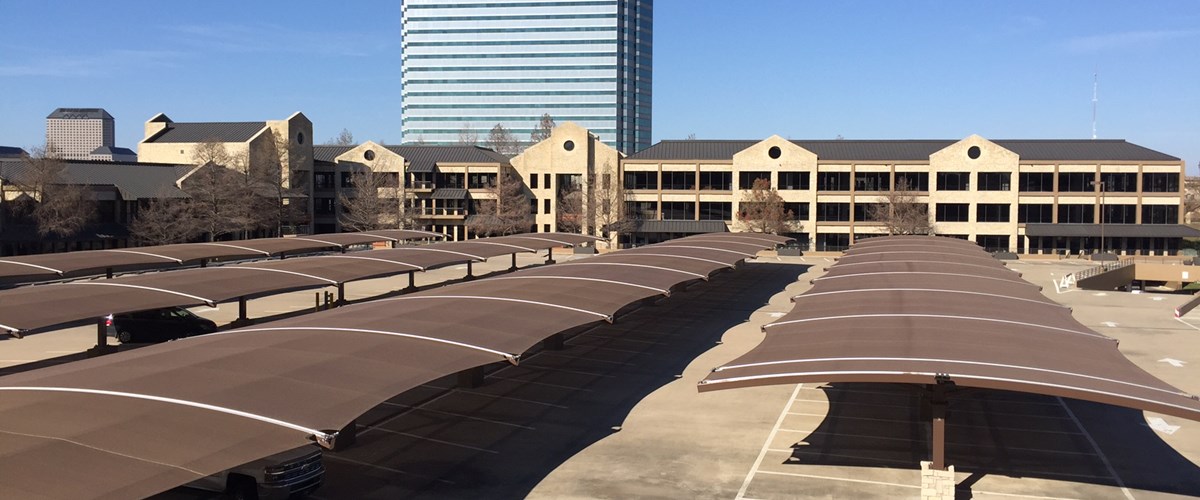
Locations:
471 64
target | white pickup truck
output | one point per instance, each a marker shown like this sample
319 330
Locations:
291 474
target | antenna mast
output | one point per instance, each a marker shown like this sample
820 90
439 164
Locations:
1095 93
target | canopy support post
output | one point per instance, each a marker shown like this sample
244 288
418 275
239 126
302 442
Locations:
470 276
108 273
242 319
341 299
102 346
549 255
470 378
412 282
203 262
346 436
513 267
937 478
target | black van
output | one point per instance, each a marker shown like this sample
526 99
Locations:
157 325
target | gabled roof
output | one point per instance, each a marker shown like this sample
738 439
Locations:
910 150
11 152
422 158
449 194
81 113
133 180
200 132
107 150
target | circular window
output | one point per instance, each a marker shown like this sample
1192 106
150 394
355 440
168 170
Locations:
569 145
369 155
300 138
774 152
973 152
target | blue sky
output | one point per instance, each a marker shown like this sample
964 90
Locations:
723 69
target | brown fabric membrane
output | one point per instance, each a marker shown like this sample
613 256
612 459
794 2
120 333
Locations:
295 378
986 331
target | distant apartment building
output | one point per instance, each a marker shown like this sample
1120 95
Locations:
468 65
74 133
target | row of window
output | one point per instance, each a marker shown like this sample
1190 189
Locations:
914 181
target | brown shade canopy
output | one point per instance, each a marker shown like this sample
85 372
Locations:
49 266
960 320
138 422
41 306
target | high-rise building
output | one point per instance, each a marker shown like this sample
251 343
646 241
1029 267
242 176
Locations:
73 133
471 64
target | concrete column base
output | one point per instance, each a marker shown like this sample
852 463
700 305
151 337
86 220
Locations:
937 484
240 322
100 350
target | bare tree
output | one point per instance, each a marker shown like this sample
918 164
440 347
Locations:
376 200
467 136
570 209
691 136
222 202
502 141
900 212
1191 198
763 211
610 210
543 130
279 190
344 138
164 220
506 212
56 206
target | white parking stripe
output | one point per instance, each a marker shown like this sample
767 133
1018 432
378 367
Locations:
741 494
862 481
343 458
432 440
459 415
1099 452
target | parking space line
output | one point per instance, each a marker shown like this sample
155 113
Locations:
822 454
546 384
614 349
1017 495
556 369
342 458
1018 429
1181 320
460 415
1095 446
432 440
564 355
626 339
948 443
741 494
843 479
510 398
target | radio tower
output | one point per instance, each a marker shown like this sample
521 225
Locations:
1095 93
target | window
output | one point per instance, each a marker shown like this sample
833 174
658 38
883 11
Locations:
993 243
1036 213
1160 183
954 181
991 212
678 181
1076 214
546 227
569 182
641 180
1160 214
1120 214
1074 182
533 181
481 181
952 212
716 210
1119 182
995 181
323 206
1035 182
451 181
546 183
833 181
717 181
799 210
323 180
746 179
642 210
348 179
833 212
832 242
679 210
533 208
913 181
870 212
793 180
546 206
872 181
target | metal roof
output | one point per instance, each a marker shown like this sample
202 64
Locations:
1113 230
204 131
136 423
132 179
422 159
909 150
112 150
680 226
449 194
80 113
11 152
958 323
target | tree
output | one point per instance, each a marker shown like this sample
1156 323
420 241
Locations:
278 189
502 141
543 130
467 136
58 208
691 136
377 200
900 211
506 211
763 210
1191 198
344 138
570 205
164 220
222 202
610 211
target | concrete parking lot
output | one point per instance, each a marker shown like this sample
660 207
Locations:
616 413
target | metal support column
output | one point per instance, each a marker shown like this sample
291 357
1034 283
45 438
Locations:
937 414
549 255
108 273
102 346
203 262
469 275
412 281
341 299
513 267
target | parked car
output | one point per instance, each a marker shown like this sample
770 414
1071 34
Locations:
291 474
157 325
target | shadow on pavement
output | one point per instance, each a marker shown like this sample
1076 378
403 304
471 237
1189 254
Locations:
995 433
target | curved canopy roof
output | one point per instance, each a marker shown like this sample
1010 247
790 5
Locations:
41 306
958 320
167 414
56 265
